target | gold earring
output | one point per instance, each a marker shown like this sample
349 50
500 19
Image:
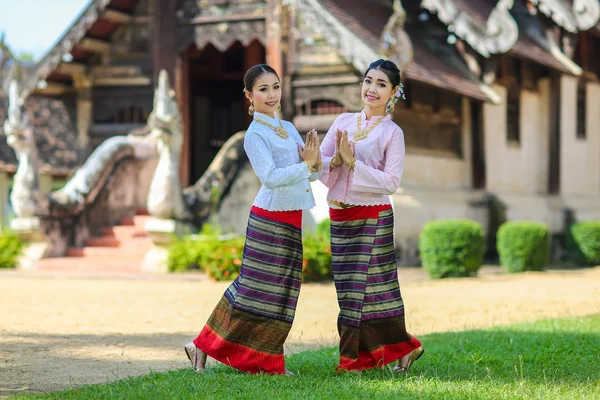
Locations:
251 109
392 107
279 107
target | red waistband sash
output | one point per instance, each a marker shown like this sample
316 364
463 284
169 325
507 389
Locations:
288 217
356 213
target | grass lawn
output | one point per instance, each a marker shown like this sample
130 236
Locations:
549 359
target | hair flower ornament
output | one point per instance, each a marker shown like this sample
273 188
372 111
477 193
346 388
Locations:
391 105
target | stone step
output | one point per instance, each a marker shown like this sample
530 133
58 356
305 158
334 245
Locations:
120 250
110 252
138 221
105 241
124 232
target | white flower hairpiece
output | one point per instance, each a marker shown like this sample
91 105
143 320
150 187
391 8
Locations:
399 94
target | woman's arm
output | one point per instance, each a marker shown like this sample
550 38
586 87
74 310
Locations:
330 175
372 180
270 175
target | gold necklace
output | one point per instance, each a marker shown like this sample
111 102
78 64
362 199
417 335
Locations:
279 131
360 133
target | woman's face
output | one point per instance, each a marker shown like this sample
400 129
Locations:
377 89
266 94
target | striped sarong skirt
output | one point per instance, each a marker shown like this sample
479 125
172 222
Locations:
371 319
252 320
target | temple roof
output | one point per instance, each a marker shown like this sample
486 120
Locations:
363 36
86 38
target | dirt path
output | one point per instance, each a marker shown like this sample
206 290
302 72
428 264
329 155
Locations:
62 331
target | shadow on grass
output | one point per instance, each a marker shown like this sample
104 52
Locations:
545 359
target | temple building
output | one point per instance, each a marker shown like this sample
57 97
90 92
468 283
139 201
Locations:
500 120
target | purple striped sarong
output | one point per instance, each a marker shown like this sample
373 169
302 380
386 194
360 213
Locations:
249 326
371 319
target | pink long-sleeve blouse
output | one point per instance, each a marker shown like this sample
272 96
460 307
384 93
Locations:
378 167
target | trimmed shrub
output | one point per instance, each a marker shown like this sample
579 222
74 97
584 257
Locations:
452 248
316 265
583 242
222 259
10 247
523 246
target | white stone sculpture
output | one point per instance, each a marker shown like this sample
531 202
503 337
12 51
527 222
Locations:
19 135
165 199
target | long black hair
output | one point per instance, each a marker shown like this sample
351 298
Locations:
388 68
256 72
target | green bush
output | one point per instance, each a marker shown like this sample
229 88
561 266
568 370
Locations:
183 255
10 247
222 262
324 228
316 265
583 242
220 259
523 246
452 248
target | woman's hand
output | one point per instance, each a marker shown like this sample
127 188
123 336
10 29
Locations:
336 160
346 148
311 152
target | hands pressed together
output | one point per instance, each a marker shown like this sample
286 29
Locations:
311 153
344 150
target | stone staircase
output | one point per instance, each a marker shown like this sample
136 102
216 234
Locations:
120 250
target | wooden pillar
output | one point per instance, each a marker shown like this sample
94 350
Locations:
164 37
254 54
85 106
182 90
555 132
273 32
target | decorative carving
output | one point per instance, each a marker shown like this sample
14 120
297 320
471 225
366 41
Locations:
223 35
502 29
165 200
206 195
19 135
352 48
459 23
560 12
395 42
89 180
192 9
587 13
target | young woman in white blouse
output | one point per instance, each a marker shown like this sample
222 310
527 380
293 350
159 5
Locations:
248 327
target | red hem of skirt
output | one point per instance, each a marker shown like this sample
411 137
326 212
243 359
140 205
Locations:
378 358
238 356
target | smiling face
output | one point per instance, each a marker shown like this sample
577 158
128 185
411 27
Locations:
377 89
265 94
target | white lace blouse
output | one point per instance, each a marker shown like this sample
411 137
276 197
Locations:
285 178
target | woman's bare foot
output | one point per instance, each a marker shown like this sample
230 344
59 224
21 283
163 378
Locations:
196 356
407 361
288 372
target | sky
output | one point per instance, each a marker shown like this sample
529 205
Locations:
33 26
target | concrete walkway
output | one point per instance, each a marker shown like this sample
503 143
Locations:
61 331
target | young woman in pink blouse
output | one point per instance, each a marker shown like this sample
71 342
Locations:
363 158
